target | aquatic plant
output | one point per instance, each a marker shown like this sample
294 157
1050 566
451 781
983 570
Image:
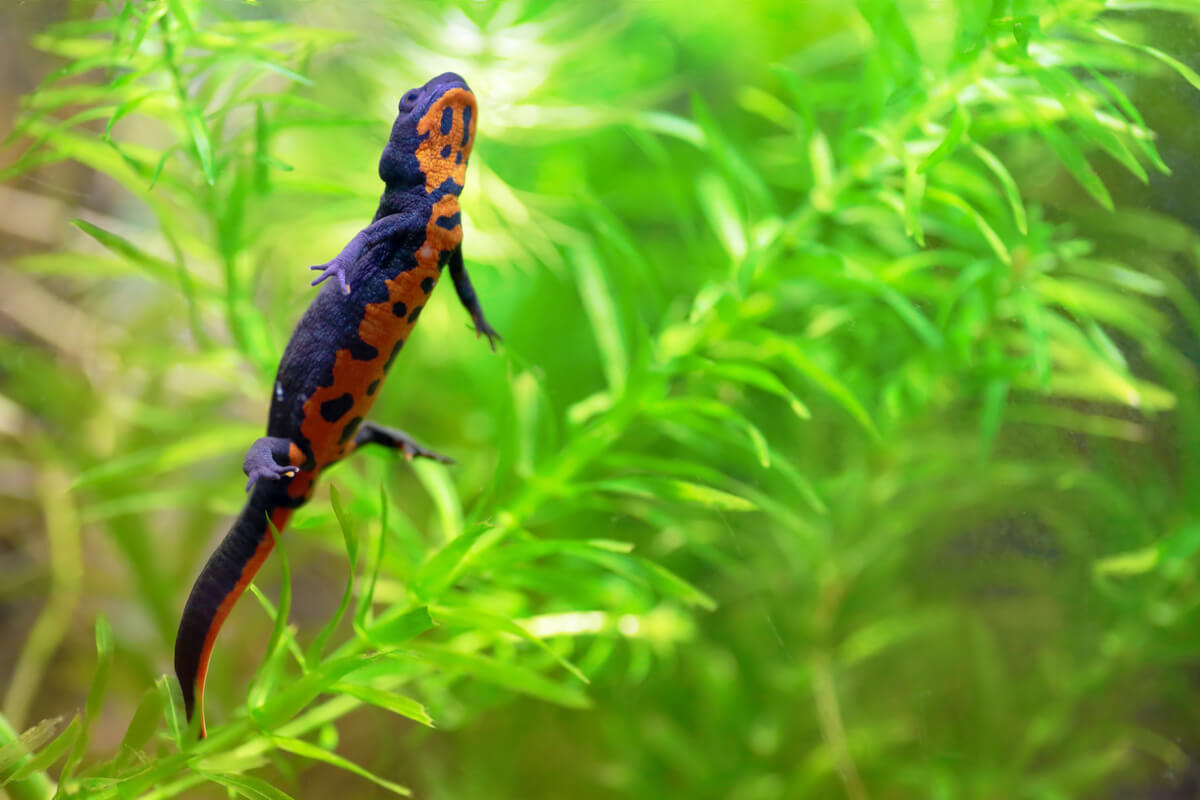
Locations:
844 439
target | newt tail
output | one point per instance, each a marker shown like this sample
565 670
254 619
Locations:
228 572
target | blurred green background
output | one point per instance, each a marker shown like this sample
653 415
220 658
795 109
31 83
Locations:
844 442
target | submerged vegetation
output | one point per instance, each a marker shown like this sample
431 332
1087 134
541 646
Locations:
845 440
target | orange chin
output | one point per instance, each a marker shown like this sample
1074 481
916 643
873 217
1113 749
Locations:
444 154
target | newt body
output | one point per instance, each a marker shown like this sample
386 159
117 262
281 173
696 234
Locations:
341 350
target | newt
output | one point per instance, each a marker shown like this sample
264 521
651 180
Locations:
329 376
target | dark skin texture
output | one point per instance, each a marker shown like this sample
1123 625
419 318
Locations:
371 296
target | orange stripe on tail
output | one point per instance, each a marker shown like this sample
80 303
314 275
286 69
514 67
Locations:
222 581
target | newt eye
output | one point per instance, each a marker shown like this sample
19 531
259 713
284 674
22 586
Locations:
409 100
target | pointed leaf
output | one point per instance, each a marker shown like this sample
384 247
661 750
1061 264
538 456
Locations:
311 751
960 121
502 673
275 658
1011 192
474 618
317 648
388 701
247 786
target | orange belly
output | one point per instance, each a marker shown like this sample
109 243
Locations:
333 413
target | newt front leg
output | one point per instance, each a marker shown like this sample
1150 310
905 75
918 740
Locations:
468 298
378 231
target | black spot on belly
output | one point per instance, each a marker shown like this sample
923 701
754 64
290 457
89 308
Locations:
427 285
444 258
466 129
361 351
350 429
401 259
399 309
373 387
446 151
395 352
458 157
451 222
416 312
335 409
447 119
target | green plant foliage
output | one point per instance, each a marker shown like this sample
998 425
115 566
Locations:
843 441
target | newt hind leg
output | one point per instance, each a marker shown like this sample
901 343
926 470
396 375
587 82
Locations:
272 458
396 439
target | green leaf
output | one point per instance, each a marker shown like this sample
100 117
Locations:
317 648
179 14
719 411
446 565
152 265
719 207
247 786
311 751
202 143
995 397
1023 29
96 693
275 658
903 307
1141 132
1135 562
294 696
1118 308
954 201
473 618
749 375
19 748
1184 71
172 703
388 701
49 755
677 490
144 723
363 609
1007 184
914 190
397 627
614 557
1039 338
126 107
1178 549
897 48
262 150
881 635
820 159
1070 93
960 122
65 263
104 656
732 163
181 451
435 477
601 309
1076 162
506 675
791 353
160 165
349 536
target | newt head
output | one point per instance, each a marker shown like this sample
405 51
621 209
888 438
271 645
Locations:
432 137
